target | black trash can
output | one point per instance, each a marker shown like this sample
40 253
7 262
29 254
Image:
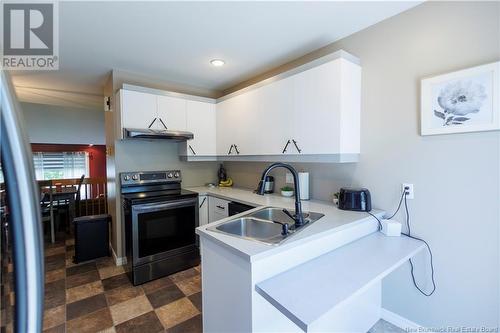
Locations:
91 237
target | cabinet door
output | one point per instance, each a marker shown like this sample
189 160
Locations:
217 209
138 109
251 124
203 211
240 124
317 109
201 121
228 125
276 117
172 111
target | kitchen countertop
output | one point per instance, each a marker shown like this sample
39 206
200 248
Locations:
341 274
335 220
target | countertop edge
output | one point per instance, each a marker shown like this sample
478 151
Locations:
303 323
273 249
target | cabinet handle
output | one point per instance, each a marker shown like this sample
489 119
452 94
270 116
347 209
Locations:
152 122
295 143
204 199
236 148
284 149
192 150
221 207
161 121
230 149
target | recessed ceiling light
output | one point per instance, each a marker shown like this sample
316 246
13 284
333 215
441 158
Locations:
217 62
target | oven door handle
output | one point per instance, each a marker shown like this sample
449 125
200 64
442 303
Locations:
152 207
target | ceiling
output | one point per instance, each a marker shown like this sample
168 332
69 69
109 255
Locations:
174 41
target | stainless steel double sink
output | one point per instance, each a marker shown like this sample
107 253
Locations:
264 225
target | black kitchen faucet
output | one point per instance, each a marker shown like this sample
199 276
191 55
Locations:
298 217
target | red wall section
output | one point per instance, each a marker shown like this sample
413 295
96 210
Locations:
97 155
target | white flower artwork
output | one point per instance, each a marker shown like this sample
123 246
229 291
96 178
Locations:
463 101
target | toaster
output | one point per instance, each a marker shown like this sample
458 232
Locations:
357 199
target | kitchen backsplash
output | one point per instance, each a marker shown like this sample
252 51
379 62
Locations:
324 178
143 155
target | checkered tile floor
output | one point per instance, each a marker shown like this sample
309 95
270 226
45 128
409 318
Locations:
97 296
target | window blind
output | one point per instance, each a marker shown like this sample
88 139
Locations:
60 165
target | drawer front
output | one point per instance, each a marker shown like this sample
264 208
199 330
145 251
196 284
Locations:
217 209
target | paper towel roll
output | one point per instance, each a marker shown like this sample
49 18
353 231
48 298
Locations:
304 185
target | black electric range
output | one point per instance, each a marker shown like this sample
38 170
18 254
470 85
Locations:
160 220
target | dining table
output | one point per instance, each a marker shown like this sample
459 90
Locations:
58 196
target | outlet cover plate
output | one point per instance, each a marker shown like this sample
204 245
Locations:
409 193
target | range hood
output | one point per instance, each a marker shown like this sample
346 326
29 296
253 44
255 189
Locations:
153 134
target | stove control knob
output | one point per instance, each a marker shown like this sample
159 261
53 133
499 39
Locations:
170 175
126 177
177 174
135 177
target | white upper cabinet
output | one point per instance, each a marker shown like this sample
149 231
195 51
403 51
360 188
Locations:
298 115
172 111
327 109
316 112
254 123
142 109
247 126
276 114
228 125
312 112
202 123
138 109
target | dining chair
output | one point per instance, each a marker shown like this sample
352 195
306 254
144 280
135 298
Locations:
47 206
79 195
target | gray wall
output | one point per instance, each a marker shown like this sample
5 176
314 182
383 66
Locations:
133 155
456 177
65 125
136 155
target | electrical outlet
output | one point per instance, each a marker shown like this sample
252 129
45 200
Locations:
288 178
409 190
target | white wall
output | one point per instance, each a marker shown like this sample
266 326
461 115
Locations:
57 124
456 177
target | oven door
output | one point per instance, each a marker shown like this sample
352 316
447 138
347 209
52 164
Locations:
163 229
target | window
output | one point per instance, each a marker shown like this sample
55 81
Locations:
61 165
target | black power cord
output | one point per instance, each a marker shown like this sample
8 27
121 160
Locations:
379 223
403 197
399 204
411 262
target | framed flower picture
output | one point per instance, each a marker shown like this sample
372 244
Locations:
464 101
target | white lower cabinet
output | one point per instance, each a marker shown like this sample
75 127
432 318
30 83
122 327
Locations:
203 209
217 209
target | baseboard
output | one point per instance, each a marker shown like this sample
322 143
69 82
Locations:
399 321
119 261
